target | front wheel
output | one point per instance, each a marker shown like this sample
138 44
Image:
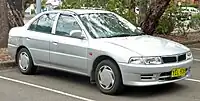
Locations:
108 77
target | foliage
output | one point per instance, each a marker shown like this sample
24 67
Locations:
166 25
172 19
167 21
116 6
43 3
122 10
190 5
195 22
142 2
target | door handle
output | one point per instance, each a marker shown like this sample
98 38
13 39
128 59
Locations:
55 43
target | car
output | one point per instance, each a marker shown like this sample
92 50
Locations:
190 10
99 44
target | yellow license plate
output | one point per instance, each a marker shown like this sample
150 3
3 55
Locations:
178 72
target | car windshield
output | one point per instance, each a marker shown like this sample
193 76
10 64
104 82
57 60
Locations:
108 25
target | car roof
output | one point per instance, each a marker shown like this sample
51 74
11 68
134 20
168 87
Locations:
80 11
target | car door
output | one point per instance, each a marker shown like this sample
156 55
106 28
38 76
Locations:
67 52
38 36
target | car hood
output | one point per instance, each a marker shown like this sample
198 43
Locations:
147 45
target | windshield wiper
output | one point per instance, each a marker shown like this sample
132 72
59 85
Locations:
123 35
119 35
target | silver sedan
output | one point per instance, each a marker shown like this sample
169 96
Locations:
101 45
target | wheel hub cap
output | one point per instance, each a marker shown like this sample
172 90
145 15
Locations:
23 61
106 77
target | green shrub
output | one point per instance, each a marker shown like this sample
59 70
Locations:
167 22
172 19
166 25
195 21
44 3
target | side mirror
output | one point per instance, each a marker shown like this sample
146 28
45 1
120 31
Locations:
77 34
139 28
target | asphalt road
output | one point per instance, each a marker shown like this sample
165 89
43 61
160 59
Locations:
52 85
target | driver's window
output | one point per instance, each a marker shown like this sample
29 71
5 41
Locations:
66 24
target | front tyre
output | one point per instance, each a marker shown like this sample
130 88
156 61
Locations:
108 77
25 62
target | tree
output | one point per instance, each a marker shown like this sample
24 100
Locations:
155 11
4 27
142 4
15 16
10 16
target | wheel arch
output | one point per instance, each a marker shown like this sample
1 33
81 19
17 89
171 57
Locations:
97 61
18 49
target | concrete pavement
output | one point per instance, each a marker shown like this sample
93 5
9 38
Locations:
10 91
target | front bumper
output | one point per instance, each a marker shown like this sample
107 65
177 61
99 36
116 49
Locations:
147 75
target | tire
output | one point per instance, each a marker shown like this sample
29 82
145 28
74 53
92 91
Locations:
107 68
25 62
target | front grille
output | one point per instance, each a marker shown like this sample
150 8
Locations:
175 58
147 77
165 74
182 57
169 78
169 59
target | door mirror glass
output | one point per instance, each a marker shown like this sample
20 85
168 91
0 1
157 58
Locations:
77 34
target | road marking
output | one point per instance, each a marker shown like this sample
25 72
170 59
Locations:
46 88
196 49
197 60
194 80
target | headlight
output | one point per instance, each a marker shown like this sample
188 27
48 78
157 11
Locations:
189 55
146 60
152 60
136 60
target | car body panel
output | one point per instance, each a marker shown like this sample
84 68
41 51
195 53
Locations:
140 44
69 53
131 74
38 46
15 40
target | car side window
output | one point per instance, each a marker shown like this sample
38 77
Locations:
44 23
66 24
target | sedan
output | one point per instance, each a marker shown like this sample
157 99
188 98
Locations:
101 45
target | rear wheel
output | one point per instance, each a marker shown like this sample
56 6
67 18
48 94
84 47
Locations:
108 77
25 62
